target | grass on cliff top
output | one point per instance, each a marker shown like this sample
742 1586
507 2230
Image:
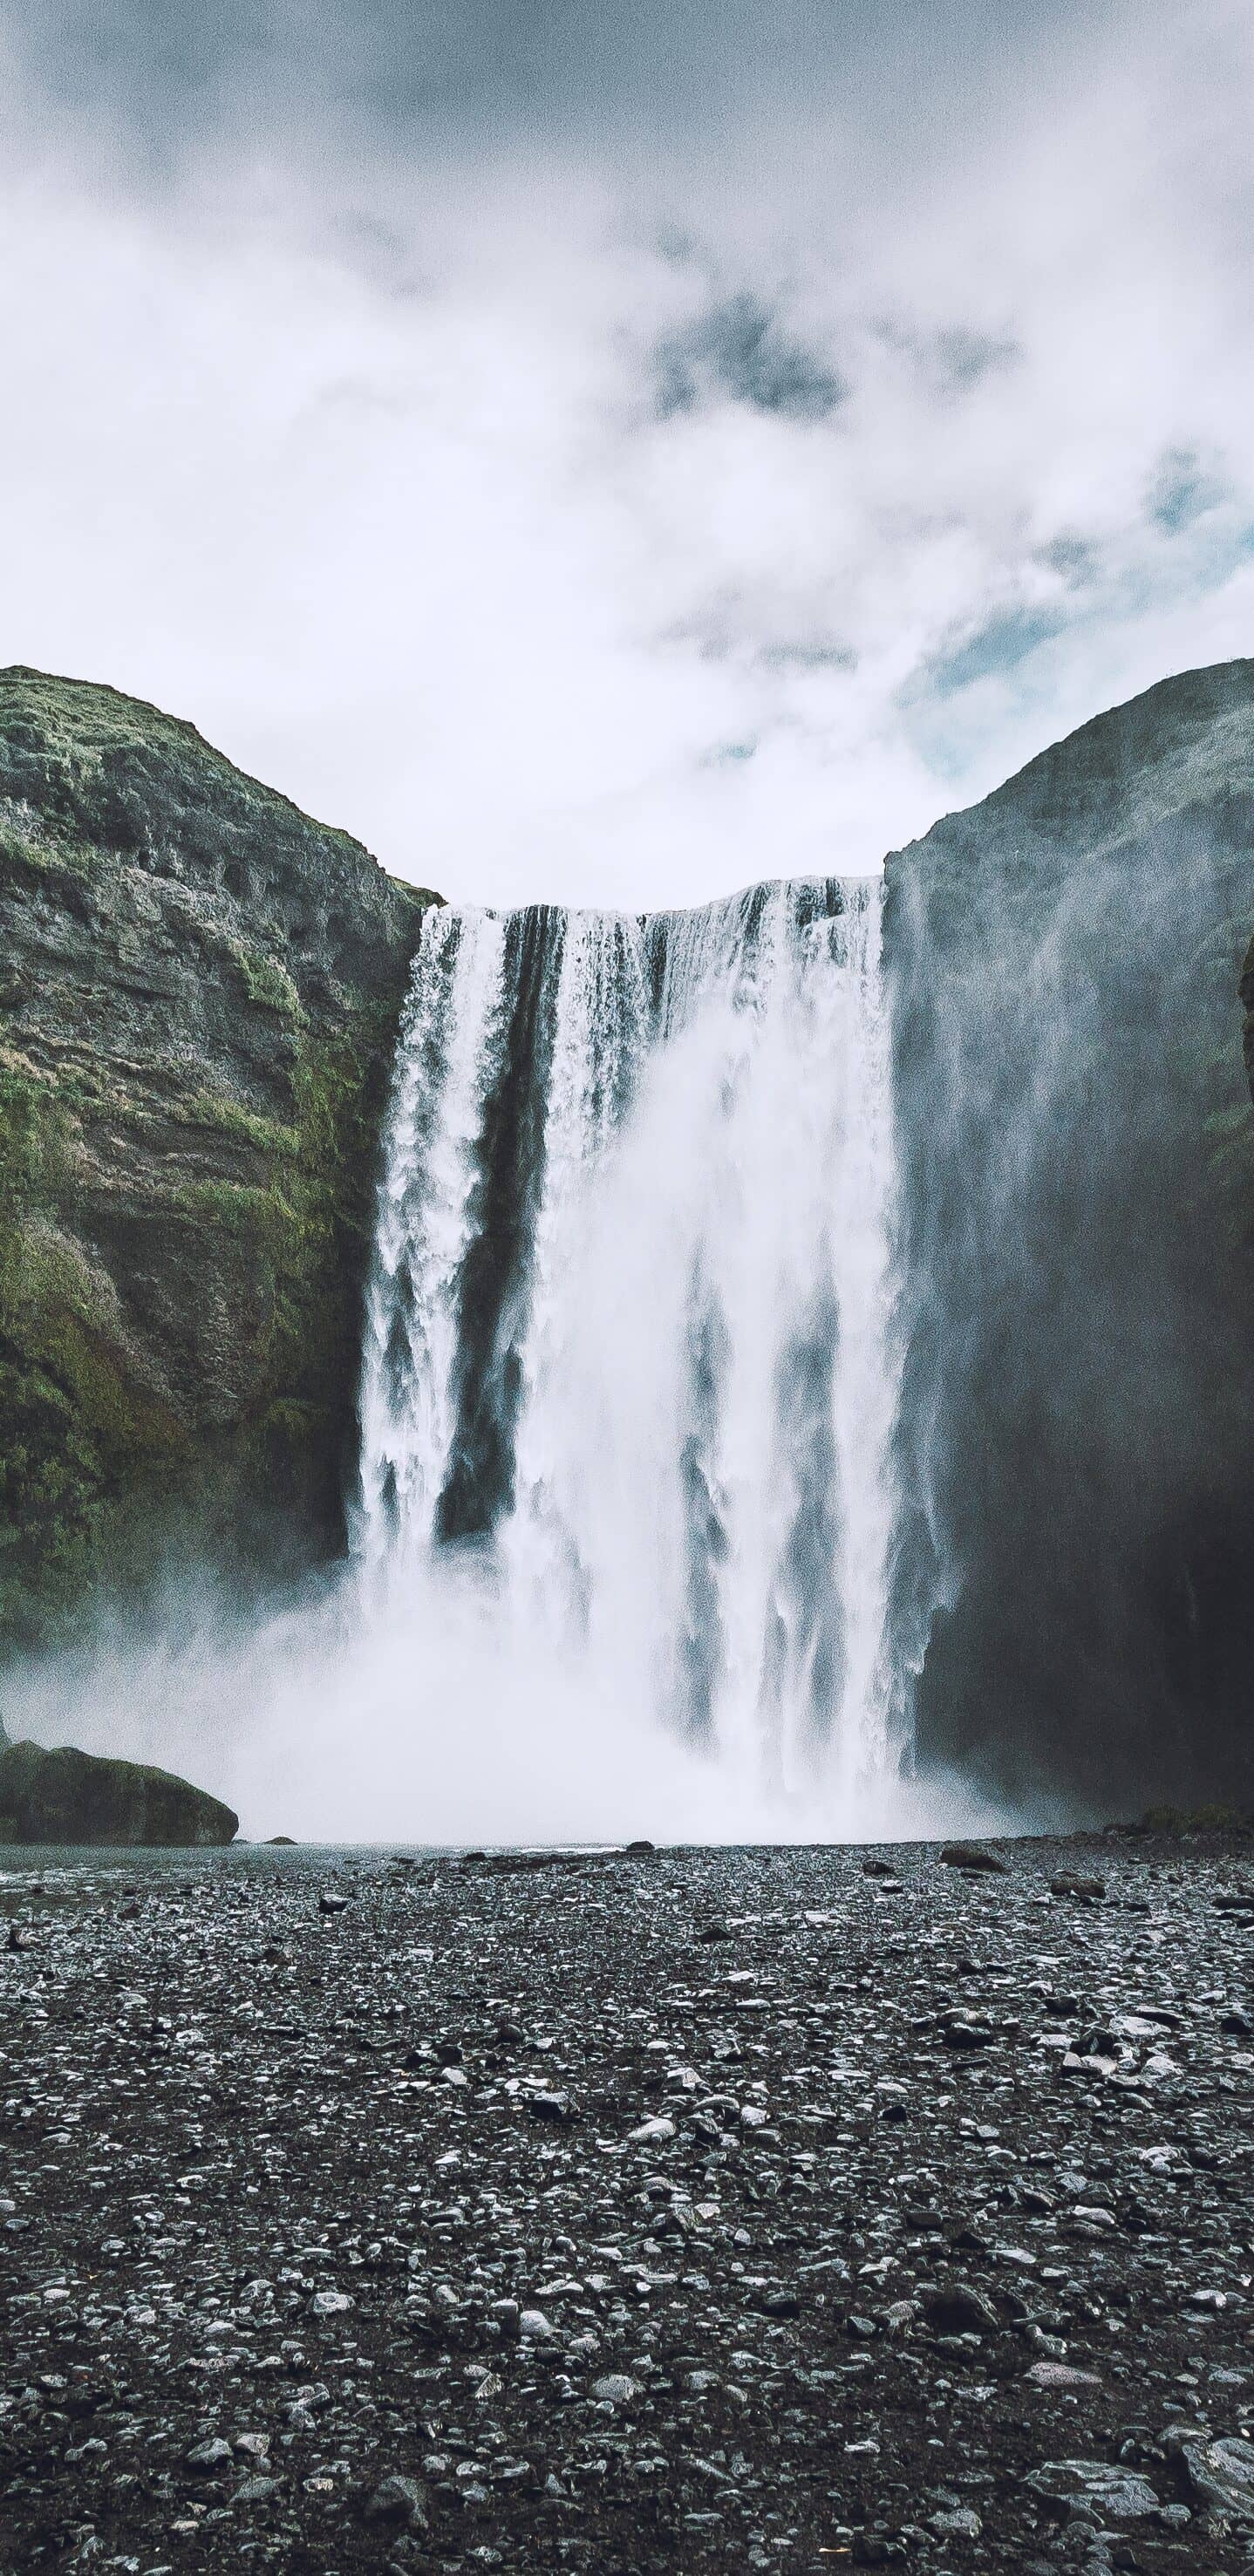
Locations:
77 724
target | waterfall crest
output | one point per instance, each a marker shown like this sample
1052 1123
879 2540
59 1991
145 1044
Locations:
629 1367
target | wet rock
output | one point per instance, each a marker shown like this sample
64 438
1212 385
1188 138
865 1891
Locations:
255 2490
204 2457
1121 2494
955 2309
399 2500
974 1858
63 1796
965 2035
1220 2476
549 2106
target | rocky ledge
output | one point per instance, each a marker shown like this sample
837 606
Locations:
695 2211
67 1797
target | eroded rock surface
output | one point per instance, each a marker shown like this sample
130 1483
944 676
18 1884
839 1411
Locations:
498 2219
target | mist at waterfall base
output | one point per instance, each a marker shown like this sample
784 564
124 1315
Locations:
622 1553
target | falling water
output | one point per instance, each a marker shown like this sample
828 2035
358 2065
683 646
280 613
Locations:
628 1370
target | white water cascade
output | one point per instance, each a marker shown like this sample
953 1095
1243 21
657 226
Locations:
629 1384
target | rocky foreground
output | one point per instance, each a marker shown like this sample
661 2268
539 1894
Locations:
709 2210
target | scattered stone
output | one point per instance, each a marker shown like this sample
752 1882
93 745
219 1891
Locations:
1220 2476
206 2456
955 2309
961 2522
263 2253
966 2035
399 2500
547 2106
1074 2484
974 1858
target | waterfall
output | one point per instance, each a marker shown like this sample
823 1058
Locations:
629 1367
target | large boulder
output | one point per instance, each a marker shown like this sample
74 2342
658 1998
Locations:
64 1796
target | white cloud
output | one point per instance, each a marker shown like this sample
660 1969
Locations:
363 465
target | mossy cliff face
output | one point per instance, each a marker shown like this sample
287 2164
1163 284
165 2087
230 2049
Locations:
199 992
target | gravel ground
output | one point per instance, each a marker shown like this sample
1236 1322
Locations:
709 2210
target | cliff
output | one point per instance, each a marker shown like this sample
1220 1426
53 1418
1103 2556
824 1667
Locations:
199 989
1076 1145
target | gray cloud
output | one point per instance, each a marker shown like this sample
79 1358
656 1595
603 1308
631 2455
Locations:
953 359
456 458
819 654
491 70
999 644
739 350
1183 490
1076 560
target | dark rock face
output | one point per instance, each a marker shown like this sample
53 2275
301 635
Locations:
199 991
1078 1212
70 1797
1247 998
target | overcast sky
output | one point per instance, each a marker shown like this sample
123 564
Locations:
609 451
